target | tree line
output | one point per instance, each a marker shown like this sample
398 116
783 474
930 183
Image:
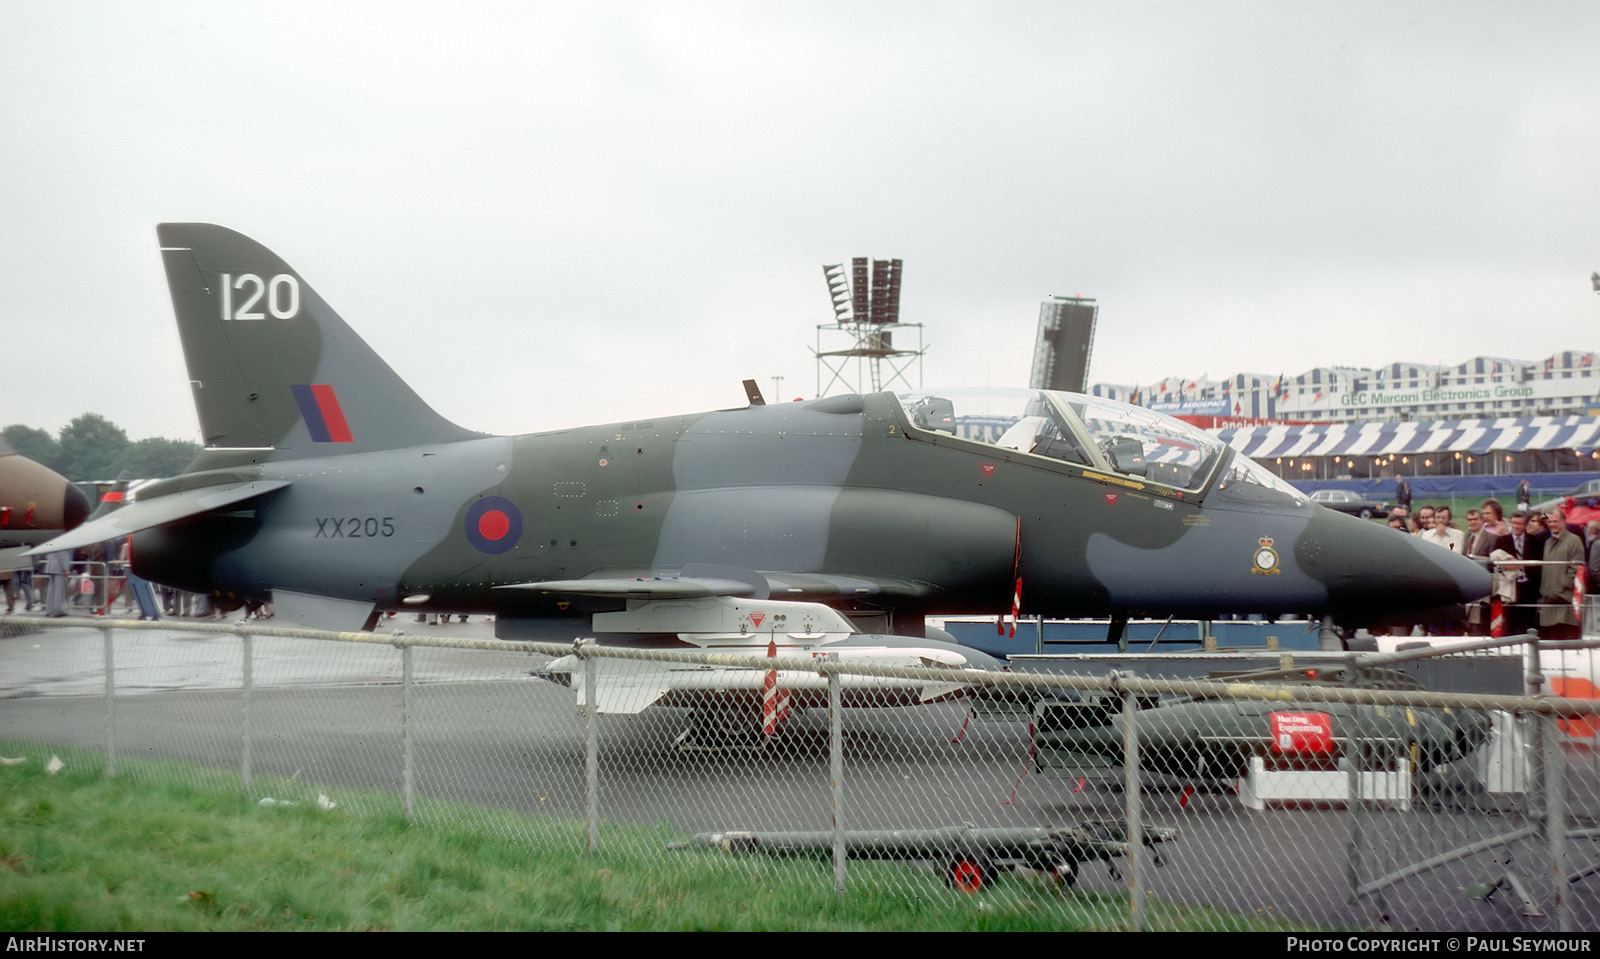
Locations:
92 448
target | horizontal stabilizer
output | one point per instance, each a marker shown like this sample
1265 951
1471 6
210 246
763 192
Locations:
320 612
146 514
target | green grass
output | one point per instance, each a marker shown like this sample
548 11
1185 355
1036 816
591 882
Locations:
161 847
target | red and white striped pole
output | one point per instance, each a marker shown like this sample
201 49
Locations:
774 701
1016 605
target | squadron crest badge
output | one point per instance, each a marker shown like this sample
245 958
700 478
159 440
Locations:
1265 560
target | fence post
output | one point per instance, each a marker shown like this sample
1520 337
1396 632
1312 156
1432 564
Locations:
585 648
1352 824
1555 805
836 767
1533 684
408 799
1348 763
1130 789
247 682
111 703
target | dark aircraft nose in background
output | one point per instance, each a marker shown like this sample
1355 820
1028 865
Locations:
74 507
1369 568
34 500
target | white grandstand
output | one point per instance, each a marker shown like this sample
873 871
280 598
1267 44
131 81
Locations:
1484 387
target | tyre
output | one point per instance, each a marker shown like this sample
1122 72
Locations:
1066 873
969 871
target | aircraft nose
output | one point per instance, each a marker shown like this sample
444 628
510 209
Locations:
1372 569
74 507
1472 580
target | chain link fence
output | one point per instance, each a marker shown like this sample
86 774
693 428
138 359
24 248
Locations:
1398 791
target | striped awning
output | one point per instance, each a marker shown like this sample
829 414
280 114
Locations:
1581 433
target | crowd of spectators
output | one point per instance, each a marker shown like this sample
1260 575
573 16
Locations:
1539 561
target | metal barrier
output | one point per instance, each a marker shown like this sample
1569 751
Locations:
1358 802
97 585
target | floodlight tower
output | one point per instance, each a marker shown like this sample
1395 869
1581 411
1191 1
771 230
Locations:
866 316
1066 338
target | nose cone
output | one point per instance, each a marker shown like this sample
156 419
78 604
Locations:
1370 570
74 507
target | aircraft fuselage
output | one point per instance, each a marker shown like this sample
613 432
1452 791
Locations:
842 500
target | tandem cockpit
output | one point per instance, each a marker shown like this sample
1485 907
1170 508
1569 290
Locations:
1096 434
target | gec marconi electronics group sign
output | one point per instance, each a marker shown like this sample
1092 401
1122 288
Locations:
1480 393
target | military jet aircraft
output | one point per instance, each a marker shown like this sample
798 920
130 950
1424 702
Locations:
330 488
36 504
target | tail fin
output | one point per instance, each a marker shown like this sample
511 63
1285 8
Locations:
272 366
114 498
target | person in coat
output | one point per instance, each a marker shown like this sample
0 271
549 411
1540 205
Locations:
1557 618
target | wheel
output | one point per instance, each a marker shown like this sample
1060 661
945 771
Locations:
1366 513
1066 873
969 870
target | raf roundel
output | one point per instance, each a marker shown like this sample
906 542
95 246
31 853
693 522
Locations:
493 525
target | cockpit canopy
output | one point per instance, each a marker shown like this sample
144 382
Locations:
1097 434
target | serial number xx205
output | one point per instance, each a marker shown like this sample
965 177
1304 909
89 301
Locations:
354 527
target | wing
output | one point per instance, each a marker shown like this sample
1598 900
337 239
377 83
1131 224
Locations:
660 588
144 514
707 579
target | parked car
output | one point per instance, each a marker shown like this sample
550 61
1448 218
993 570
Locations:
1345 501
1586 491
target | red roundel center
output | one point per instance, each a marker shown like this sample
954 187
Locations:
493 524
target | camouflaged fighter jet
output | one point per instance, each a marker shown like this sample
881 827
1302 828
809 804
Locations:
328 487
36 504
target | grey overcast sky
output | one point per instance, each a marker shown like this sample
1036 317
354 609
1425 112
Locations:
551 214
